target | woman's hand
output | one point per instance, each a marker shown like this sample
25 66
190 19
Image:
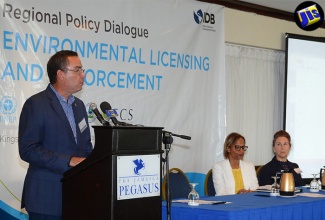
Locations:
241 191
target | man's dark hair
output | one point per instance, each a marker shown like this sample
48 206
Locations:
58 61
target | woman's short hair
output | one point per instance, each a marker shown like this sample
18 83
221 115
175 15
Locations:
230 140
281 133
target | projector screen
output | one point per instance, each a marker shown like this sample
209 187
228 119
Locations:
305 102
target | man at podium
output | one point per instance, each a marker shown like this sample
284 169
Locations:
54 136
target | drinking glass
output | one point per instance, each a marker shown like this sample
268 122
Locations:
275 188
314 186
193 196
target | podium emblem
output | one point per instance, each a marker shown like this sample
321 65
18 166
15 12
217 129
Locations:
139 166
138 176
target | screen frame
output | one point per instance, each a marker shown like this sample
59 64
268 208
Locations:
297 37
289 36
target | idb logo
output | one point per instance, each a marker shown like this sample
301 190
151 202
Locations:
203 17
309 16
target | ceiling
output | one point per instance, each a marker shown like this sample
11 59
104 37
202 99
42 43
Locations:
283 5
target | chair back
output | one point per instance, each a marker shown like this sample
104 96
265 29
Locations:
258 169
208 185
179 185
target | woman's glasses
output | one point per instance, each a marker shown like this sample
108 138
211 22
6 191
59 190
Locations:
244 148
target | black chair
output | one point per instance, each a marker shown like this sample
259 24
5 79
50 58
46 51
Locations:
179 185
208 185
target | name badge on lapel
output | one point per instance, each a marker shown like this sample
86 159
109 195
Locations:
82 125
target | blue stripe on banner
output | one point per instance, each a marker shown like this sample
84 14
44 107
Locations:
9 213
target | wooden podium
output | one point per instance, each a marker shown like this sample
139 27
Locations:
120 180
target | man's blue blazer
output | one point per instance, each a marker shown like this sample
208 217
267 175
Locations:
47 143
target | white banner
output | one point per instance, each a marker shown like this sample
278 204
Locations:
159 63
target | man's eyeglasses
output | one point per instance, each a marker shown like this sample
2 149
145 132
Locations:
244 148
79 70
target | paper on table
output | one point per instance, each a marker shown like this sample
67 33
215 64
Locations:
314 195
267 188
203 202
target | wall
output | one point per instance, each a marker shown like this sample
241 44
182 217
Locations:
261 31
254 30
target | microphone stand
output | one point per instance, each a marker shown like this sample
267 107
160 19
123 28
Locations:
168 140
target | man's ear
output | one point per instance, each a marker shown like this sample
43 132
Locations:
59 75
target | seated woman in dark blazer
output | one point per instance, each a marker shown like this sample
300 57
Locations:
280 162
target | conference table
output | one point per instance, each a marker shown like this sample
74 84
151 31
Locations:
251 207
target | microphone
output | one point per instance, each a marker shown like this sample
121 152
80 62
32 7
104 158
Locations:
100 118
177 135
105 106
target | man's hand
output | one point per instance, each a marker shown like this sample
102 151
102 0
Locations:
75 161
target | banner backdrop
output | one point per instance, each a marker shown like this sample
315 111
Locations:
158 63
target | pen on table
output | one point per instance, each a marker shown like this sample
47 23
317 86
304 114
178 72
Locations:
217 203
263 195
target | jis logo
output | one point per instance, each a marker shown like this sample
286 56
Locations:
140 166
309 16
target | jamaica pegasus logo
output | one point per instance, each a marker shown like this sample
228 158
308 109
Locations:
138 176
139 166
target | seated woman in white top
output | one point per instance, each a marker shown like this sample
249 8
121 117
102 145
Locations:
233 175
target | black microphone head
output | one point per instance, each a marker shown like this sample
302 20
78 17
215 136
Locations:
100 118
105 106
